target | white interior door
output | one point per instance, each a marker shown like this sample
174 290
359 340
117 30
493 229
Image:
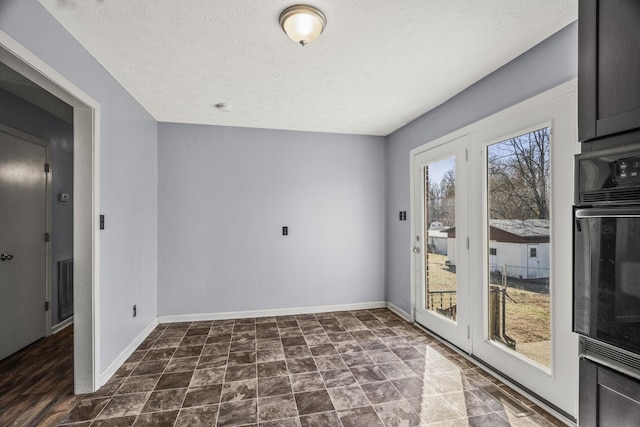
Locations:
440 233
23 250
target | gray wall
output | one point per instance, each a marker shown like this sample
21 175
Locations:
550 63
22 115
224 195
128 176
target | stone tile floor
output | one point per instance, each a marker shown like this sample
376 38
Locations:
352 368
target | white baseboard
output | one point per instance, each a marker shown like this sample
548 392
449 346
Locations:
115 365
269 313
400 312
60 326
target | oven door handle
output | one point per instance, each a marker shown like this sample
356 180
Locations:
608 213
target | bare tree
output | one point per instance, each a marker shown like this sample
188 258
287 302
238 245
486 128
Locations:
448 198
519 184
440 200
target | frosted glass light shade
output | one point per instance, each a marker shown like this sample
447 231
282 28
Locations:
303 24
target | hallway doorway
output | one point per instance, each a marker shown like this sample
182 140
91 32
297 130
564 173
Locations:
86 131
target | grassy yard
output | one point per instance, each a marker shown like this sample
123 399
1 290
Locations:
527 320
441 278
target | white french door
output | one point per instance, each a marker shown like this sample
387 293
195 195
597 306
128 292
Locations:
500 192
523 262
440 238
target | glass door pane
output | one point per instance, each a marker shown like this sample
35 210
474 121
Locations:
440 218
519 230
440 241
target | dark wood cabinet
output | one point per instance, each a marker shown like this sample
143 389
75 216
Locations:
607 398
608 67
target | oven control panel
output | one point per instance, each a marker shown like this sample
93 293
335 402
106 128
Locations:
627 171
607 177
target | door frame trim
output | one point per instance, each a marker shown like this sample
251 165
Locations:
86 194
549 97
552 383
510 111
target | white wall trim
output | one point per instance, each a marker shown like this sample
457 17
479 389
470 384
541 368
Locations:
111 369
400 312
133 345
25 62
269 313
60 326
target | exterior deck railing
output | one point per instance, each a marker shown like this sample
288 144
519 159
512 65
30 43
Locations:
442 302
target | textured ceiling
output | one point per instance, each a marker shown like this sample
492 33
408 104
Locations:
378 65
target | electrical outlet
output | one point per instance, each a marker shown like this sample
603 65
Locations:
135 311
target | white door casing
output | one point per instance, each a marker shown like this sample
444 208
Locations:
556 108
86 207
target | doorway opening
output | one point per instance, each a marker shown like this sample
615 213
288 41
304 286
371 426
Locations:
86 131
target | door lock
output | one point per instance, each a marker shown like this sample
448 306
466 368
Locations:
416 249
6 257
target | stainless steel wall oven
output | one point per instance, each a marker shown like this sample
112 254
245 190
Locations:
607 257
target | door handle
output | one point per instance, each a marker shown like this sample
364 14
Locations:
6 257
416 249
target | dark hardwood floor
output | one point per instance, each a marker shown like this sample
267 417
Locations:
360 368
36 383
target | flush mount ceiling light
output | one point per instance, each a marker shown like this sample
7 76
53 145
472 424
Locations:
303 24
